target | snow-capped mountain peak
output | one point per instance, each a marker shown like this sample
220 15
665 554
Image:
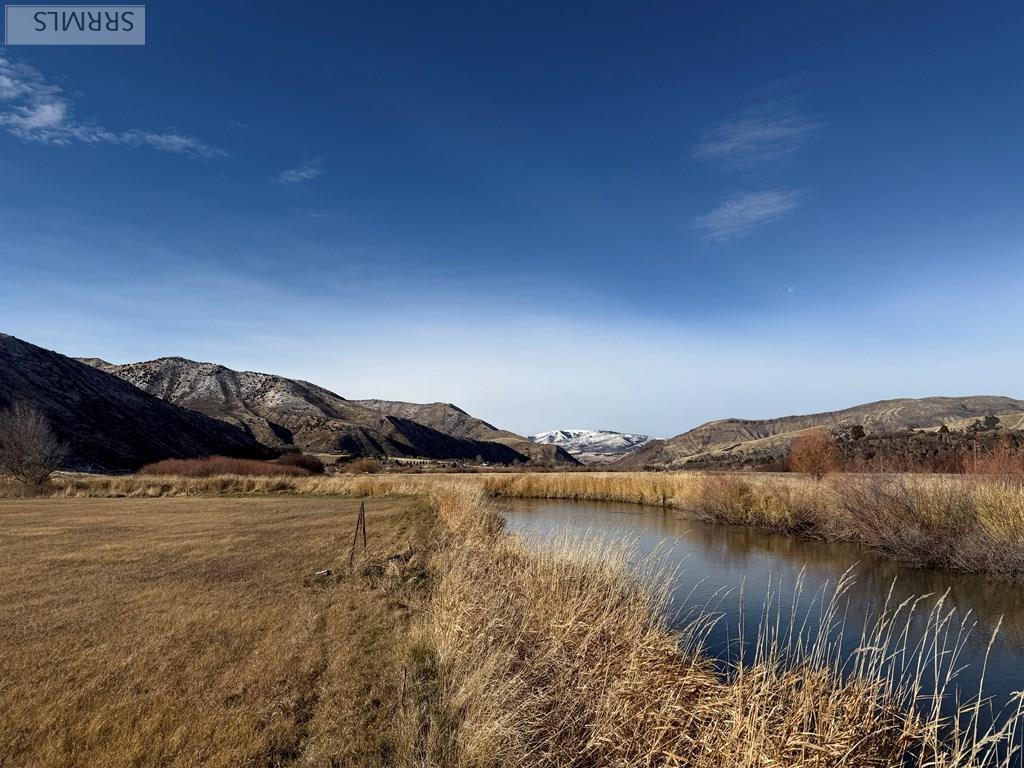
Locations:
592 445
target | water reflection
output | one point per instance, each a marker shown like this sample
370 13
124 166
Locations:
735 569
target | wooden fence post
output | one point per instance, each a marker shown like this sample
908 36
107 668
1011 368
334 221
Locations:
362 522
360 525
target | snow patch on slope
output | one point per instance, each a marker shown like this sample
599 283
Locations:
592 444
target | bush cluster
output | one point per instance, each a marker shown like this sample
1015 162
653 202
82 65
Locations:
219 465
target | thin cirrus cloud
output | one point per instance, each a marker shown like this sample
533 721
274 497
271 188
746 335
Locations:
34 109
305 172
745 211
768 131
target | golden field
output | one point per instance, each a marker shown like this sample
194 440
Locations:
187 632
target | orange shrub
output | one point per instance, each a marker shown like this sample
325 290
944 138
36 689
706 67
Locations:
218 465
814 452
1004 459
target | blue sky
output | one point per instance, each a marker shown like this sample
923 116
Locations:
630 216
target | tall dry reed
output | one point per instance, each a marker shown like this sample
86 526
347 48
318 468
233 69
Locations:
559 655
967 523
151 486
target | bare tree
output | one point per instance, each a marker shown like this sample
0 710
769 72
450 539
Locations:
814 452
29 451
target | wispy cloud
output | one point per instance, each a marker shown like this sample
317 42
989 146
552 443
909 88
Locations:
744 211
766 131
305 172
34 109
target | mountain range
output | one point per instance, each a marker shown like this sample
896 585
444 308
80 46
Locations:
119 417
281 412
454 421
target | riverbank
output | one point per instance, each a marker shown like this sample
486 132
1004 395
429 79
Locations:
561 656
973 524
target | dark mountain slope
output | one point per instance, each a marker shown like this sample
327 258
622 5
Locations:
107 423
279 411
452 420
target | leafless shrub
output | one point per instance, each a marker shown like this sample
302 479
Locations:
815 453
931 523
219 465
311 464
365 466
29 450
1004 460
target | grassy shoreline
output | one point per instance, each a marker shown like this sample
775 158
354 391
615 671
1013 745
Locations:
561 656
972 524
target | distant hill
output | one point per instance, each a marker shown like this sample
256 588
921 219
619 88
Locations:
452 420
761 441
107 423
279 412
592 446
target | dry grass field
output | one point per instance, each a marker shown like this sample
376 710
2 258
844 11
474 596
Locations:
968 523
186 632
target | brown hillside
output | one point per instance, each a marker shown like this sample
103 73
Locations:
730 441
452 420
280 412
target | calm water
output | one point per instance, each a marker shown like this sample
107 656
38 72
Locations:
733 569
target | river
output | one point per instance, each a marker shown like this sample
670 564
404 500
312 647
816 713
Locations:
734 570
